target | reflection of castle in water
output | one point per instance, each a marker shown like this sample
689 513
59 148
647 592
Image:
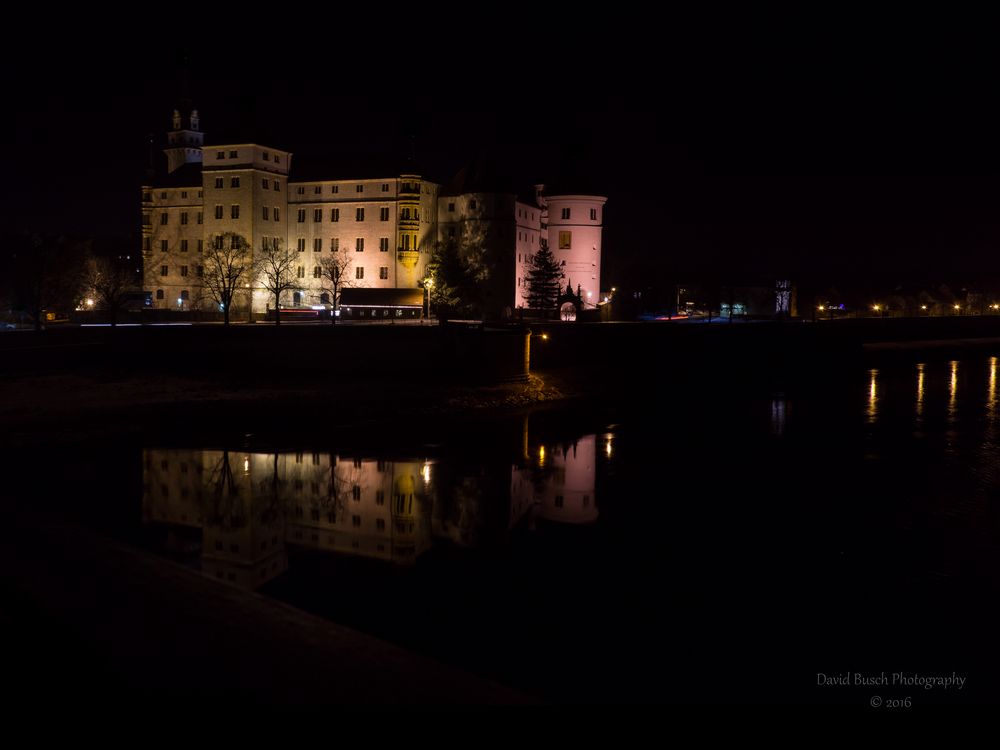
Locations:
249 506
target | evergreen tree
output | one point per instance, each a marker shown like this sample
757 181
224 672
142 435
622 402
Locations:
544 280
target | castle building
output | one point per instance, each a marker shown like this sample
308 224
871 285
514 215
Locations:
386 225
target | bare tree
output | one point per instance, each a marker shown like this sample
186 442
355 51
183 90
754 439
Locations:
228 268
111 286
276 272
334 278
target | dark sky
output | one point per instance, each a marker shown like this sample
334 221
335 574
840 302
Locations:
810 145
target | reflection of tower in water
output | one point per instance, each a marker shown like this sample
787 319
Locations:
558 483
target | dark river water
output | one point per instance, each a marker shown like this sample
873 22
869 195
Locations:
727 543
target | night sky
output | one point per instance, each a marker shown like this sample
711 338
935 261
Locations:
738 146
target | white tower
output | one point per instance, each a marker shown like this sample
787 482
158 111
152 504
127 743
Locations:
574 236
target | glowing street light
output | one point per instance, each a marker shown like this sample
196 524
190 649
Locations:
428 285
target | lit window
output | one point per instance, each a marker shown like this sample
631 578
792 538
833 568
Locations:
565 240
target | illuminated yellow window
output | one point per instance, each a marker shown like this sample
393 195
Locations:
565 240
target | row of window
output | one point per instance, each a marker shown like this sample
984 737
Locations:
266 156
198 270
318 189
359 272
165 246
147 197
185 296
165 218
359 244
359 214
266 212
567 212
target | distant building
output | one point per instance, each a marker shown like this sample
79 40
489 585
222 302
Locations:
388 224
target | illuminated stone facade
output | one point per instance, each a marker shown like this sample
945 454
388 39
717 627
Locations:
386 226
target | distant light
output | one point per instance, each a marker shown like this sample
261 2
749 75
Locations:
426 472
337 313
876 308
607 447
923 307
180 300
590 294
90 303
318 307
246 465
614 289
545 337
541 455
821 308
958 307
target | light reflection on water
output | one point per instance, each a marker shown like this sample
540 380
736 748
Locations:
238 526
871 412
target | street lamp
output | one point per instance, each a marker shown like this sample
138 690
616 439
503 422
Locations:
428 285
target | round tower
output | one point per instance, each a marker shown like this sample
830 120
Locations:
574 236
